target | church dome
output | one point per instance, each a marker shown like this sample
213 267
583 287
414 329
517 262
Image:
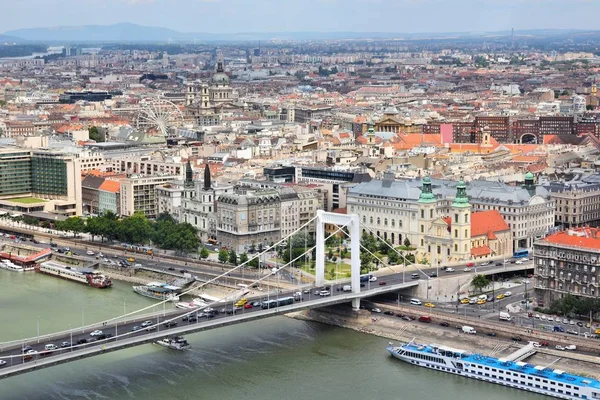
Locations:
220 78
529 176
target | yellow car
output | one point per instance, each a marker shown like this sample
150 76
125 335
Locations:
131 259
480 301
500 296
464 301
430 305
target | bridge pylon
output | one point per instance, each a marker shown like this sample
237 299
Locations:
353 223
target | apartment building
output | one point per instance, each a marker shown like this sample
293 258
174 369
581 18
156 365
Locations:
577 202
567 262
138 194
248 217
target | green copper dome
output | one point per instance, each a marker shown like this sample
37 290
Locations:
427 195
529 176
461 199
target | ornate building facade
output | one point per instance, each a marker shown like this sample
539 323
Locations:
207 101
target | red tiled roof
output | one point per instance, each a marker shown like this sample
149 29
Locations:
481 251
590 238
110 186
340 210
486 222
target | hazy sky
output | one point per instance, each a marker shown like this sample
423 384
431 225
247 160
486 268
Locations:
306 15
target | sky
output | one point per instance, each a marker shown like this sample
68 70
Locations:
232 16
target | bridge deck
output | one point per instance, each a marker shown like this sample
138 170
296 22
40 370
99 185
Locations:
16 365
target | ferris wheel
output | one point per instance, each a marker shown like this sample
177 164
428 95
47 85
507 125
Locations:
156 115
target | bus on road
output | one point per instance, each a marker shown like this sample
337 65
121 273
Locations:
521 253
277 302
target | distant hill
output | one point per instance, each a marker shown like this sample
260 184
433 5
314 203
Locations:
94 33
126 32
6 39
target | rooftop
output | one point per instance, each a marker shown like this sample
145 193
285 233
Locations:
587 238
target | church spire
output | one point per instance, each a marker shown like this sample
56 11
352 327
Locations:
189 174
207 183
427 195
461 199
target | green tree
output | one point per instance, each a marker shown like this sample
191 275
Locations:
74 225
109 225
253 262
331 273
223 256
369 242
95 134
479 282
406 242
233 258
393 257
136 229
243 257
184 238
366 261
93 226
204 253
330 254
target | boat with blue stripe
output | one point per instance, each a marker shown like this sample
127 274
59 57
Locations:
503 371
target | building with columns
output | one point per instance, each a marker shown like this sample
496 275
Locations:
391 207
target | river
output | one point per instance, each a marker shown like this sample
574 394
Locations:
277 358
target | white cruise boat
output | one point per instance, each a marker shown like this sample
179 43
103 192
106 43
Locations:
199 303
159 291
185 306
9 265
514 374
175 343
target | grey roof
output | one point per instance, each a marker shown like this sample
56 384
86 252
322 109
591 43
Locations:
92 182
480 190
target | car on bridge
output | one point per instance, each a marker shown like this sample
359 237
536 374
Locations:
2 363
136 328
97 332
146 323
450 270
64 345
169 324
429 305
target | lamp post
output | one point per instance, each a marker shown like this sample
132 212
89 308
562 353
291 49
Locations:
82 320
125 310
38 329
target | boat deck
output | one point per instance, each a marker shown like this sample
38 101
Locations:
533 370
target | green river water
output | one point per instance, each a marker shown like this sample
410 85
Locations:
278 358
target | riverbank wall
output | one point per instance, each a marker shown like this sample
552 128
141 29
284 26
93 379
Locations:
399 330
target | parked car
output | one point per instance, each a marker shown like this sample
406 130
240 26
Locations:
388 312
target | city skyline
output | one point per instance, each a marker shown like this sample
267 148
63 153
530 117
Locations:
233 16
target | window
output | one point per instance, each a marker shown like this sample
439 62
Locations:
456 218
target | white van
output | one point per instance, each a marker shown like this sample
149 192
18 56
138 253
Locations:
415 302
50 347
469 329
504 316
347 288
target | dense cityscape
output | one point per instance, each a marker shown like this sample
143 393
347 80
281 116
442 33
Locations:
423 190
